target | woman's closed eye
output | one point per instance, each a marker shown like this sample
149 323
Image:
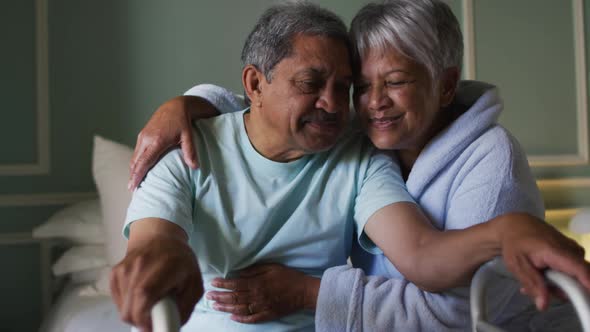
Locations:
398 83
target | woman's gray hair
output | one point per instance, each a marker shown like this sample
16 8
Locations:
272 38
425 31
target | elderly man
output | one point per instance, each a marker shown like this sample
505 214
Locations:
285 182
271 185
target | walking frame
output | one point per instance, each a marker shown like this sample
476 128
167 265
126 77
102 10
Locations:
165 316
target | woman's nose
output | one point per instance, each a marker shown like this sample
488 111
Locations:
378 99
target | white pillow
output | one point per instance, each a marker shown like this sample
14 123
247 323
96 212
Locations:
80 258
80 223
100 287
110 167
86 276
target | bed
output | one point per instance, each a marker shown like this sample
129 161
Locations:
90 233
93 229
73 312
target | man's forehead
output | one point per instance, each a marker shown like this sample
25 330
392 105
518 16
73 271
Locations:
318 55
303 42
319 72
314 71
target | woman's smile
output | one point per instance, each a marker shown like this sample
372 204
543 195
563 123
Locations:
385 122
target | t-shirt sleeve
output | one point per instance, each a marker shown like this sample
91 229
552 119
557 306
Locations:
166 193
224 100
382 185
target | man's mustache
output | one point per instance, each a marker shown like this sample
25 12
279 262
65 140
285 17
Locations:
320 116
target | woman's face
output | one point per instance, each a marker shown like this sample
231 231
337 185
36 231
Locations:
395 100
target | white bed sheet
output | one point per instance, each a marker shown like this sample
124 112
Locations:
74 313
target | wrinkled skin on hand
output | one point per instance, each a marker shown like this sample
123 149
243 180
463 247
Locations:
530 246
148 273
265 292
168 127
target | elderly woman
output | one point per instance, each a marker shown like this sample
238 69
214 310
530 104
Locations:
460 166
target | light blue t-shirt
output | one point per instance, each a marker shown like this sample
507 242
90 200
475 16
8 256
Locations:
239 208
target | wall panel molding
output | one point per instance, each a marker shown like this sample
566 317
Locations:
577 182
560 218
565 193
17 238
468 40
545 160
45 199
45 246
42 165
581 80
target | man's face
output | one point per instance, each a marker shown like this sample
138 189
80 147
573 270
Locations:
307 101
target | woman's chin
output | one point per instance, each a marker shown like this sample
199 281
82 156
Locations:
384 142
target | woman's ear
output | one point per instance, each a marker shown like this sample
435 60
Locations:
252 82
450 78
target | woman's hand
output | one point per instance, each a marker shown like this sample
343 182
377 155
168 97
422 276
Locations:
265 292
530 245
168 127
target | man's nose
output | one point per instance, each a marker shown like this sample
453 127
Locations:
331 101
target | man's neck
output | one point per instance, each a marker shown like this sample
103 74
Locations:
266 142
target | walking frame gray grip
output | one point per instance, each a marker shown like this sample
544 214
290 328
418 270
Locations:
165 316
479 313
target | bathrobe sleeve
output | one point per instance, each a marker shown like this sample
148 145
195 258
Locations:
223 99
349 300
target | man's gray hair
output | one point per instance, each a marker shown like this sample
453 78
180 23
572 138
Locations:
272 38
425 31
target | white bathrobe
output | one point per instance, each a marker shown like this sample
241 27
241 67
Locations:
471 172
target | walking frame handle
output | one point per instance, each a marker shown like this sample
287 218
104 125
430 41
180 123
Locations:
479 317
165 316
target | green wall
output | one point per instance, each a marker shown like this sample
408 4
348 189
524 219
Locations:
112 62
529 49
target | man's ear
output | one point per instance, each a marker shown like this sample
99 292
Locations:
449 80
252 80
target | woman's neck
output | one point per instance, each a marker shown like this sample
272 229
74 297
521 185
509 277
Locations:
409 156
